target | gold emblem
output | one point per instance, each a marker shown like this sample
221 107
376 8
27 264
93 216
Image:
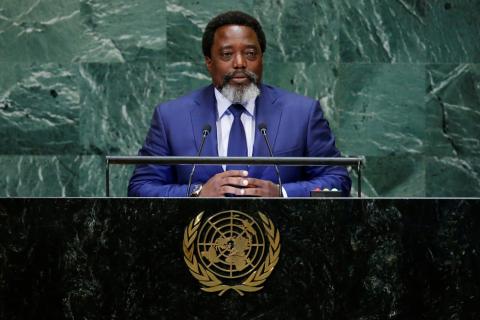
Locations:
229 251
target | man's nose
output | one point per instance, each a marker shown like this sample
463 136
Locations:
239 61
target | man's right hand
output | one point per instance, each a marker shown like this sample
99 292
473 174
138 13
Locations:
227 182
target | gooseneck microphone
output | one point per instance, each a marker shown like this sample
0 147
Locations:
263 130
205 131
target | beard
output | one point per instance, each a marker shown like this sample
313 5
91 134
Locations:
240 93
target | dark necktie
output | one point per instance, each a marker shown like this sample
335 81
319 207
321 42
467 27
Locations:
237 141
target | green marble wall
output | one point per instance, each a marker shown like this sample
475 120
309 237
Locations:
399 81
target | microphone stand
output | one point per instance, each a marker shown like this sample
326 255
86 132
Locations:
263 130
205 132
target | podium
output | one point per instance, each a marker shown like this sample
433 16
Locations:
114 258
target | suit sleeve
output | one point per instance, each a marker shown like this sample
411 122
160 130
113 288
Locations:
155 180
320 142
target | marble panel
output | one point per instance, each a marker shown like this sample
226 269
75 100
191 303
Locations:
117 102
391 176
40 31
382 31
38 176
122 30
80 79
453 31
91 177
453 177
453 110
315 80
299 31
186 21
183 77
39 111
381 109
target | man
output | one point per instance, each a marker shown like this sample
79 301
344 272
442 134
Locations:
234 105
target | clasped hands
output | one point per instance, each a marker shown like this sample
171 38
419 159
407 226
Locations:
237 182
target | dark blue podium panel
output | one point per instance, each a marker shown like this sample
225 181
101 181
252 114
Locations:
339 259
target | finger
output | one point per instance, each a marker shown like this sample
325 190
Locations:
235 181
255 192
264 188
234 173
232 190
257 182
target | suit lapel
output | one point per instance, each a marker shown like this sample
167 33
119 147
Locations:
269 112
205 112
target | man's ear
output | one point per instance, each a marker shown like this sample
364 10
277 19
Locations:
208 63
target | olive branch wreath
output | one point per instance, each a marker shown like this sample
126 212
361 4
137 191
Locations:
210 282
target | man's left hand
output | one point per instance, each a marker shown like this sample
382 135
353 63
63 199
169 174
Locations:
261 188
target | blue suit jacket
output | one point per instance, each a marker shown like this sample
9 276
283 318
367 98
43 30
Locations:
296 127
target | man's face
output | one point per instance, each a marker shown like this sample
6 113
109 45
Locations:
235 52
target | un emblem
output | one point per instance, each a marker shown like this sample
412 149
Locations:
231 250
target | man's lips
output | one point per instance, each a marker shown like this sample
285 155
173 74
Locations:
240 79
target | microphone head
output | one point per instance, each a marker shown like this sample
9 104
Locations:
206 129
262 127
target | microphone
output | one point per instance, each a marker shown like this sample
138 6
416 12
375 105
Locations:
263 130
205 131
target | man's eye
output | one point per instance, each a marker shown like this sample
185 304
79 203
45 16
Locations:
251 54
226 55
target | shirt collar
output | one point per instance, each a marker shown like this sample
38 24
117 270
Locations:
223 104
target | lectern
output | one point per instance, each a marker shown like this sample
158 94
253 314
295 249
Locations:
351 258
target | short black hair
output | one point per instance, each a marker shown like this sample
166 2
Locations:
231 17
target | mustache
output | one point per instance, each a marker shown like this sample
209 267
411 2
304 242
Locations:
244 73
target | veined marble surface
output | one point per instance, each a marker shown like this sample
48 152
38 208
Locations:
97 258
399 82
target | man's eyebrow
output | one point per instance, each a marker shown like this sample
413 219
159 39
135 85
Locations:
248 46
